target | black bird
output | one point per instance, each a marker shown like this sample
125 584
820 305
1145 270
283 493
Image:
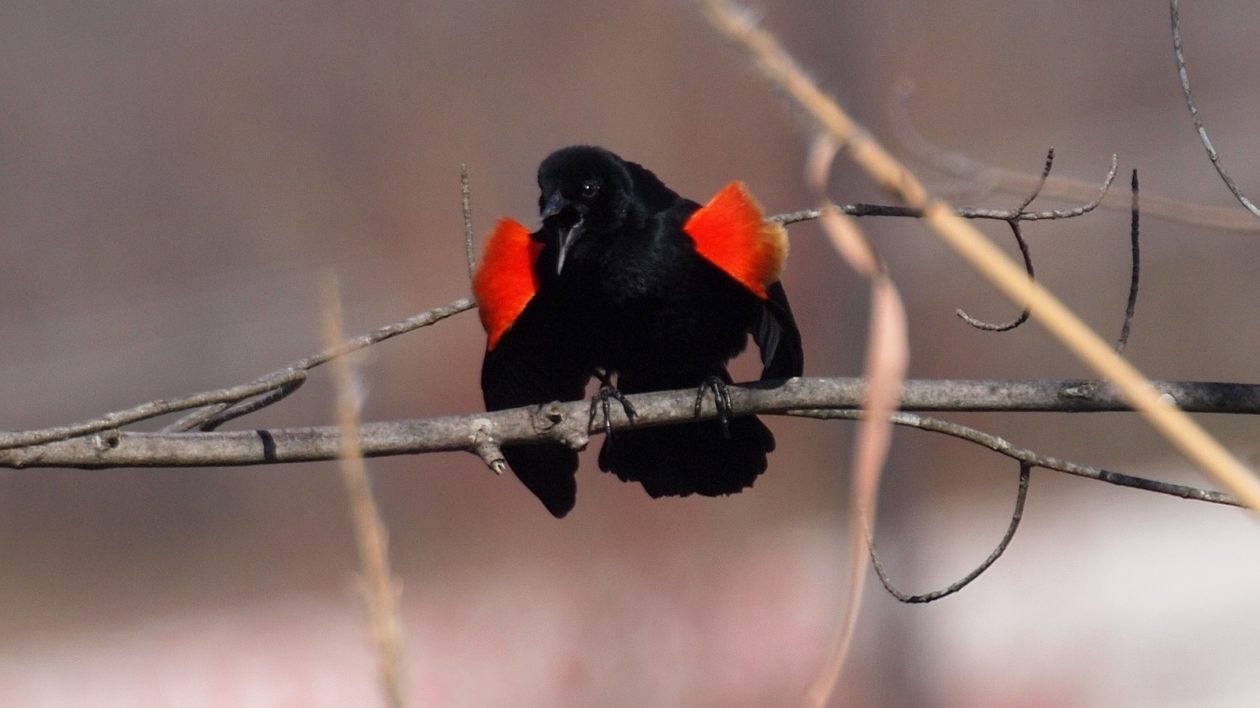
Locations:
625 278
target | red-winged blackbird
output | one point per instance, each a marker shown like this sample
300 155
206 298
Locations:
626 278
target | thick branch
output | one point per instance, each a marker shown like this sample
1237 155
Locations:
569 423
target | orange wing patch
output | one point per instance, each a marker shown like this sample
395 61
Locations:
732 234
505 281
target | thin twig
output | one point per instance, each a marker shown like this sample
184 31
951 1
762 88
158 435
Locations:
244 408
964 212
1048 214
989 177
152 409
1135 268
354 344
1026 456
1025 471
1041 183
1184 76
465 201
380 589
278 379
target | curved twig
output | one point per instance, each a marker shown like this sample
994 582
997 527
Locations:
1025 471
1023 251
1023 315
1213 156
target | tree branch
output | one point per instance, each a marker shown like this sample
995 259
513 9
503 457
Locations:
569 423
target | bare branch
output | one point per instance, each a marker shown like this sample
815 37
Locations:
964 212
151 409
569 424
1025 471
220 399
1184 75
1020 215
1026 456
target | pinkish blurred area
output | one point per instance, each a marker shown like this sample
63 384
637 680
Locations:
176 179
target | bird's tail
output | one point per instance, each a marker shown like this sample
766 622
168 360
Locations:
547 471
690 458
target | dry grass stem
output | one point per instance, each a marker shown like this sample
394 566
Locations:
380 590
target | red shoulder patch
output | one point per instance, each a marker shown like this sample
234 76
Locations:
505 282
731 233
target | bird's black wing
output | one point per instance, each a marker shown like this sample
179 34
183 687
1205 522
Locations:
777 336
533 364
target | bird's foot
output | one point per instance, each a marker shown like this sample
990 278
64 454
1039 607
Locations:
599 403
721 399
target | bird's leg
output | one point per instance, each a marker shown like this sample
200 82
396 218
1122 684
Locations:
600 401
721 399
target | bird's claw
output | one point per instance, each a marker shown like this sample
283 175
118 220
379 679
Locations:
599 403
721 399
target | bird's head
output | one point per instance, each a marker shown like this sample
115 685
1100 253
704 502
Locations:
585 192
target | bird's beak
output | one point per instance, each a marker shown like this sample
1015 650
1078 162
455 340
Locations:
568 237
554 205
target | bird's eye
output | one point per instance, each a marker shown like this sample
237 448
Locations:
590 188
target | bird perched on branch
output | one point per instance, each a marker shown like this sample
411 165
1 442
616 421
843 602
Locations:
625 278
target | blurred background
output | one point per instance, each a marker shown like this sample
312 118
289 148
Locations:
177 178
